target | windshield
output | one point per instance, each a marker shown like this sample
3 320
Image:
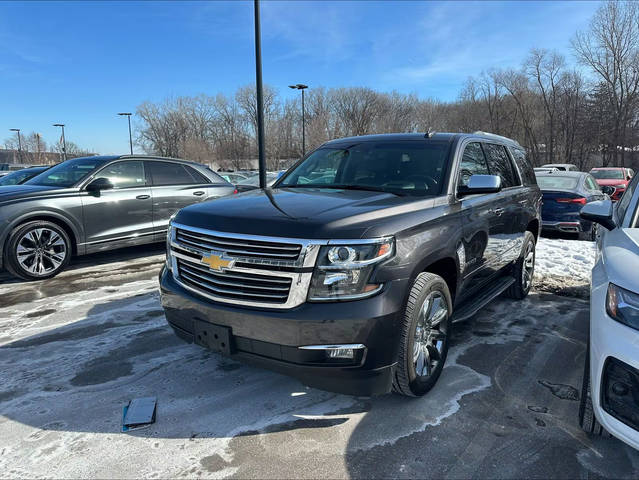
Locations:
607 174
555 182
68 173
18 177
403 168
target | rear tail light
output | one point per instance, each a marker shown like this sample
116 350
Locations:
234 191
580 200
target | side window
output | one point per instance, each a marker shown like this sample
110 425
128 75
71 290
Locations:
197 176
473 163
499 164
124 174
525 168
169 173
591 184
622 206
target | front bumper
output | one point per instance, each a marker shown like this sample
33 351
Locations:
609 340
271 338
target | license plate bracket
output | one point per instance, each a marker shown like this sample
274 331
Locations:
214 337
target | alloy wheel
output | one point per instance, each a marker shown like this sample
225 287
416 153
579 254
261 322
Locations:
529 266
41 251
430 334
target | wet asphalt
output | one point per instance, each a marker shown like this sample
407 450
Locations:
75 349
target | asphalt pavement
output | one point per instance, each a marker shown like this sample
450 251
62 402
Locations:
75 349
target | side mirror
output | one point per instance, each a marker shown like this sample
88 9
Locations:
481 184
599 212
99 184
608 190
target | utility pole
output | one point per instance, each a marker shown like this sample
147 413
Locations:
17 130
128 115
261 160
64 141
302 87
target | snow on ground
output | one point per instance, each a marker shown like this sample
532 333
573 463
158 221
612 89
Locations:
75 348
563 266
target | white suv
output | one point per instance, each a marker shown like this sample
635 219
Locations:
610 391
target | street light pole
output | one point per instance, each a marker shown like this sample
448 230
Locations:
17 130
128 115
302 87
64 140
261 160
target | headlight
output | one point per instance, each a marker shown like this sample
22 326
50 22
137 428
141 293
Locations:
623 306
343 271
169 238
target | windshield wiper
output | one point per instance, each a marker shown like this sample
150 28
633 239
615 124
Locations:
369 188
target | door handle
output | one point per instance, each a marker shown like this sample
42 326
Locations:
199 193
497 211
143 197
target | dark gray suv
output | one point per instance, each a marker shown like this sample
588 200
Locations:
85 205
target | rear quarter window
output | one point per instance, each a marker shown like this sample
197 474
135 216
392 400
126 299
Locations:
525 168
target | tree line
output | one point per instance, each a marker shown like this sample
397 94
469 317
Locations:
32 149
587 114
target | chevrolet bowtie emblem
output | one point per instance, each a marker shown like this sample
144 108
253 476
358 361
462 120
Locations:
216 262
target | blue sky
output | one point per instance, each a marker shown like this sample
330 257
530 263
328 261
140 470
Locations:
80 63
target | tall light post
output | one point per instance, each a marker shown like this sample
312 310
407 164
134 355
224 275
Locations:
302 87
261 160
128 115
64 141
17 130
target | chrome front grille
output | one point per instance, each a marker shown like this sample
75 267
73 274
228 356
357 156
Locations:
263 271
234 286
238 247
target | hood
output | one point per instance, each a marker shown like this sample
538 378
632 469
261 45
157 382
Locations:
621 257
302 213
611 181
13 192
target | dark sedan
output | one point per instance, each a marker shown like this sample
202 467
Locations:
564 194
85 205
20 176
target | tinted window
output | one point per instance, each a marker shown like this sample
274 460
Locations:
500 164
18 177
622 206
555 182
169 173
608 174
473 163
408 167
124 174
525 168
197 176
68 173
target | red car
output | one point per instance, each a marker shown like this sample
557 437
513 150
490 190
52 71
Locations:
616 177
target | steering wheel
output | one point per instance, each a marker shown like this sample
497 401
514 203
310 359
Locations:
430 182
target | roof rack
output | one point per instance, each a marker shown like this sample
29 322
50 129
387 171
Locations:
429 133
494 135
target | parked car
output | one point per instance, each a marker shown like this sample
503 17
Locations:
564 194
545 170
253 182
232 177
20 176
85 205
352 285
610 390
615 177
564 167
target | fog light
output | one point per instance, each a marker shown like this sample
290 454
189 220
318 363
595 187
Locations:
341 353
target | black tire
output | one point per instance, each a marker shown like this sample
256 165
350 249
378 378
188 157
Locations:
51 259
406 379
589 236
521 287
587 420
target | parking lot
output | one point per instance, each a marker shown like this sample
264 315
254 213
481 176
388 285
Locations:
76 348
